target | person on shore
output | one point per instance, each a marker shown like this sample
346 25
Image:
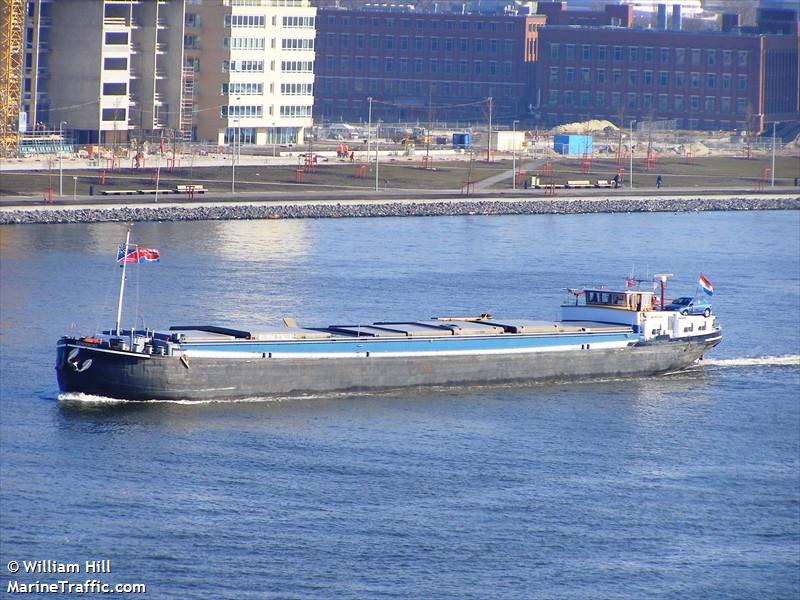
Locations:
616 180
658 182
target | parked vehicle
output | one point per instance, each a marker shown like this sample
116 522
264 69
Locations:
686 305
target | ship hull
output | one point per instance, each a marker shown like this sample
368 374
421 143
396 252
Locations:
133 376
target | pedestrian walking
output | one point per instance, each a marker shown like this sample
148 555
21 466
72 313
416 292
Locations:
658 182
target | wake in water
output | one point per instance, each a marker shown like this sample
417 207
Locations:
791 360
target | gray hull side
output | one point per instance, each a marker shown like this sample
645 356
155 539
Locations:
167 378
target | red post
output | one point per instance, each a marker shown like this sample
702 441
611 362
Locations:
361 171
298 175
102 177
48 194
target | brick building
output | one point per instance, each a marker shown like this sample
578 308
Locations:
703 80
423 66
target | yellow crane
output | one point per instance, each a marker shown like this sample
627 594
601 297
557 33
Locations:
12 22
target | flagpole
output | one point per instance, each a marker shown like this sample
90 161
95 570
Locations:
122 279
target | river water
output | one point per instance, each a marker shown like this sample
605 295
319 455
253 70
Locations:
683 486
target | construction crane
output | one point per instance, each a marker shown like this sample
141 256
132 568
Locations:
12 21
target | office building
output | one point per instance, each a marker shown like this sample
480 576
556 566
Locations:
424 66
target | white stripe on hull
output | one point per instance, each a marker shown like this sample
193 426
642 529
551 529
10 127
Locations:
334 355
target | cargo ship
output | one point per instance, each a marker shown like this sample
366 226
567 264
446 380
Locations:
600 333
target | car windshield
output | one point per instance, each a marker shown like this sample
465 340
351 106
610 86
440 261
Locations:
682 301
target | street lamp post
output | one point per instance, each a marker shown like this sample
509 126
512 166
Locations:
74 187
369 125
60 159
514 154
633 122
233 147
772 183
376 156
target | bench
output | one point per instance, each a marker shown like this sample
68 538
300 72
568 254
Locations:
578 183
191 188
119 192
604 183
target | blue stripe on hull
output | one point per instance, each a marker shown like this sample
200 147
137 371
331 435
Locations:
377 346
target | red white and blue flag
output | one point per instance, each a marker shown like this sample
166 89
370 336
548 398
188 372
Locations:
137 254
705 285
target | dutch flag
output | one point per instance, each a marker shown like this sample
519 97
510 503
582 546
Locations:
705 285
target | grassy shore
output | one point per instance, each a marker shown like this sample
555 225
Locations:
403 174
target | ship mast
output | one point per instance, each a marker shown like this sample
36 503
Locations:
662 277
122 280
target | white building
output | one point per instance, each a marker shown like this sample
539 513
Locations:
250 66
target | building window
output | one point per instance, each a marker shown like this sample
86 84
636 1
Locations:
617 53
632 102
711 81
552 97
601 76
417 65
448 66
404 65
679 79
569 98
677 103
434 44
680 56
694 80
616 76
344 40
478 67
448 44
244 21
694 103
647 101
663 55
553 51
111 64
492 68
387 65
727 57
709 104
388 42
586 52
601 53
418 43
742 58
116 38
695 56
583 98
463 44
741 106
648 55
633 76
114 114
297 44
616 99
507 69
493 46
554 74
569 75
741 82
726 81
600 99
725 104
433 66
648 78
360 41
373 64
711 57
570 51
585 76
374 42
633 53
663 102
115 89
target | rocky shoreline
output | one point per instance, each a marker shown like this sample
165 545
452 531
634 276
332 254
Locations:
328 210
